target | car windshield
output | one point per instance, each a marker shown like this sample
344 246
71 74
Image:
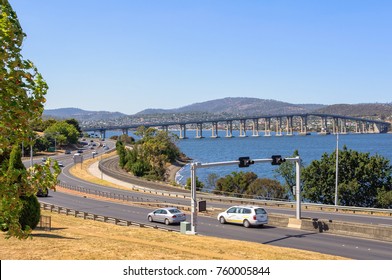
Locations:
174 211
260 211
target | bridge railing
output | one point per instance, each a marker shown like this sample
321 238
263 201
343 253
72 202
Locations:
187 122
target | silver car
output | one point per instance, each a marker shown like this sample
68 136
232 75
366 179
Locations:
169 215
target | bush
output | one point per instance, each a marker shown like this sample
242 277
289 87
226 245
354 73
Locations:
140 168
31 212
29 216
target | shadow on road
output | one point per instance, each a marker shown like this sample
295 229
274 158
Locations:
288 236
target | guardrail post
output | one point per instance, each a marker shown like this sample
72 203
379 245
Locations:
193 198
298 186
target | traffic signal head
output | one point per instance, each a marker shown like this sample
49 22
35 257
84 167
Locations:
245 162
277 160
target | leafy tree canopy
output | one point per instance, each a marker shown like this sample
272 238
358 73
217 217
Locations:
287 171
63 132
199 184
364 180
149 156
22 91
75 124
247 183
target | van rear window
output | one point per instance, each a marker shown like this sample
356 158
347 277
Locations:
260 211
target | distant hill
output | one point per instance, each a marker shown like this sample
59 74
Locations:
239 106
79 114
371 110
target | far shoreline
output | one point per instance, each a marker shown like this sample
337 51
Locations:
173 170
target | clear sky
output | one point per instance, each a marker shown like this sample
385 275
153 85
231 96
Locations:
128 55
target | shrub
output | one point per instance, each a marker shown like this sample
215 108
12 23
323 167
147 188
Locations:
31 212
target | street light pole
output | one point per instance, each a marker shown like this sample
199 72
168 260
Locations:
193 198
298 187
31 152
337 169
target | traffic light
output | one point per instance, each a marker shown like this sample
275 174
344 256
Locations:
245 162
277 160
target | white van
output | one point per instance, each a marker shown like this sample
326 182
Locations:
245 215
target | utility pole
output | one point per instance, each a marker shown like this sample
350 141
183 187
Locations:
337 169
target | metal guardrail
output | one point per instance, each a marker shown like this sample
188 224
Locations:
107 167
128 198
100 218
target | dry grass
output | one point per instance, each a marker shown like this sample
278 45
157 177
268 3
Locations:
75 239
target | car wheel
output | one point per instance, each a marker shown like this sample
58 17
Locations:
246 223
150 219
167 222
222 220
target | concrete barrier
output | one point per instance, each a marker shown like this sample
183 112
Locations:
278 220
377 232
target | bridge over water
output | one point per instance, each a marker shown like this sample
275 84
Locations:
285 124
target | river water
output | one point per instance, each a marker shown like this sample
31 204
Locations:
310 148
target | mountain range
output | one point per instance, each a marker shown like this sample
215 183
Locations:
78 114
239 106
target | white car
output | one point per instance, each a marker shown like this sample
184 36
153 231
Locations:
245 215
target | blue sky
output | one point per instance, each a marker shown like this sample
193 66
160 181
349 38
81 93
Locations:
126 55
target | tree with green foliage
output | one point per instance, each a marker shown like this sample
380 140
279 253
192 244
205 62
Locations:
63 132
126 139
248 184
22 94
75 124
266 188
364 180
211 180
287 170
199 184
384 198
41 124
236 183
41 144
31 212
122 153
150 156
